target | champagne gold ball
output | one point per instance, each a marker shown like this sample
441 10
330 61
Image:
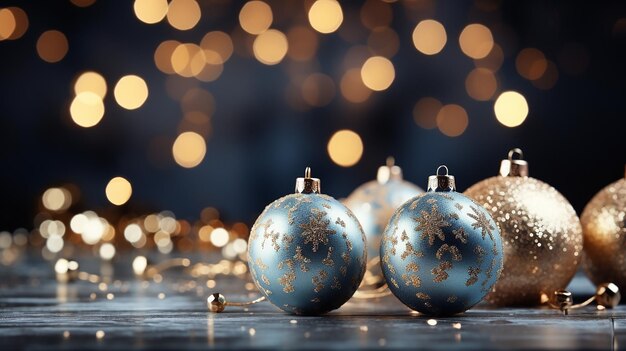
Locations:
216 302
604 228
541 236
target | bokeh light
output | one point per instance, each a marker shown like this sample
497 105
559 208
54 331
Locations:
318 89
219 237
303 43
452 120
7 23
270 47
13 23
352 87
345 148
549 78
183 14
131 92
481 84
476 41
255 17
91 81
52 46
375 14
217 46
150 11
493 61
56 199
325 16
531 63
87 109
425 112
189 149
378 73
163 56
383 41
429 37
511 108
118 191
107 251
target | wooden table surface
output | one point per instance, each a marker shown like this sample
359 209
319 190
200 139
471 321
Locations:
36 312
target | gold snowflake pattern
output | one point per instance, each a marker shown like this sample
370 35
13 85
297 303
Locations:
387 263
265 280
259 263
422 296
440 272
458 206
316 230
286 280
410 250
299 257
412 267
452 299
328 261
336 284
481 222
340 222
460 235
488 274
451 249
395 283
412 280
343 270
318 280
480 252
430 225
473 275
394 242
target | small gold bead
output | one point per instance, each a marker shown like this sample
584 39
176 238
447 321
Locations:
563 299
608 295
216 302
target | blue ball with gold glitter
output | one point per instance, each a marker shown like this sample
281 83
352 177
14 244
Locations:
306 251
441 252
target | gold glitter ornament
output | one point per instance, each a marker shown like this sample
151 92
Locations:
541 234
604 228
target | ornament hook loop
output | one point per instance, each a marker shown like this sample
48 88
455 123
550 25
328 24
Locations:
441 182
442 167
514 167
307 185
516 151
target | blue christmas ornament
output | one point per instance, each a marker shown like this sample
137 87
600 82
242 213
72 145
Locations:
441 252
306 251
373 203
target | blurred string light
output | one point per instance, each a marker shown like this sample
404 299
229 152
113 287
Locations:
255 17
352 87
511 108
150 11
476 41
270 47
452 120
131 92
384 41
493 61
13 23
56 199
378 73
189 149
318 89
83 3
87 109
481 84
302 43
91 81
531 63
345 148
325 16
183 14
118 191
425 112
52 46
429 37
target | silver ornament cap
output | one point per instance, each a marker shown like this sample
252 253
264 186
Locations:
308 185
389 172
514 167
441 182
